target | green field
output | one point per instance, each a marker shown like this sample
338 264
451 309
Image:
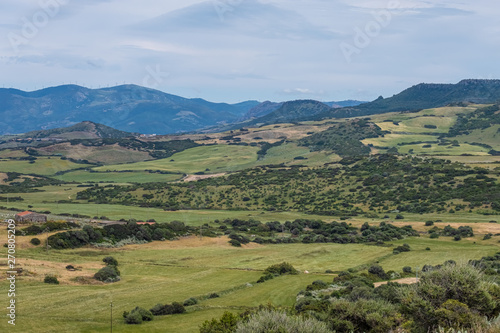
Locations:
45 166
393 140
436 149
163 272
489 136
117 177
210 159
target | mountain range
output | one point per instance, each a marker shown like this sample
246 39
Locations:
137 109
128 108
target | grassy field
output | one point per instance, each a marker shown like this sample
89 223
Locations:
218 158
449 150
163 272
489 136
112 154
117 177
393 140
44 166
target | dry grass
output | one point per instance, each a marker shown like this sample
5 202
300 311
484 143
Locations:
411 280
193 178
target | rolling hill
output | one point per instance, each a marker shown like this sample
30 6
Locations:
424 96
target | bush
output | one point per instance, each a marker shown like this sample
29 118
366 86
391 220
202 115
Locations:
51 279
190 301
108 274
137 316
399 217
235 243
407 269
428 302
226 324
279 321
378 271
35 241
213 295
429 223
167 309
110 261
280 269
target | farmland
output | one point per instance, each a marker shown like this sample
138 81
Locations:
410 171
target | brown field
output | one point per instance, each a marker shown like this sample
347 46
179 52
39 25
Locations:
106 154
193 178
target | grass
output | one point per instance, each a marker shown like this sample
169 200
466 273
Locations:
163 272
416 125
448 150
393 140
210 159
117 177
489 136
45 166
105 154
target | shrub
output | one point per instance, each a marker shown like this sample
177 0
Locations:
399 217
213 295
51 279
167 309
108 274
402 248
280 269
363 316
137 316
226 324
434 235
407 269
379 271
190 301
35 241
279 321
429 223
110 261
235 243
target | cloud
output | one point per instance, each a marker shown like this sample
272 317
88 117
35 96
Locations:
250 18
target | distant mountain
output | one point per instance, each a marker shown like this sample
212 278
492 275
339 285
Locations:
83 130
424 96
261 110
292 111
268 107
128 108
342 104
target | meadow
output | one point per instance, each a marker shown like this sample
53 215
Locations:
163 272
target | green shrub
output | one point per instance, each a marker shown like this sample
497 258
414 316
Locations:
167 309
108 274
190 301
279 321
407 269
378 271
226 324
110 261
51 279
137 316
35 241
429 223
235 243
280 269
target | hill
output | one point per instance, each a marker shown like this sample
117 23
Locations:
423 96
83 130
128 108
292 111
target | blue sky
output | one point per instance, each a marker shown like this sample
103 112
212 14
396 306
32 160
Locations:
235 50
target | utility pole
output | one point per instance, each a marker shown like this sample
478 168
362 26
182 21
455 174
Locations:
111 316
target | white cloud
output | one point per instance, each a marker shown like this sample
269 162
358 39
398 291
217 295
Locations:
258 50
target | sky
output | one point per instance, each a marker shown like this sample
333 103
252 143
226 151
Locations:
237 50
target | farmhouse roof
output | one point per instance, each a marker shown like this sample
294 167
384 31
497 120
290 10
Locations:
25 213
